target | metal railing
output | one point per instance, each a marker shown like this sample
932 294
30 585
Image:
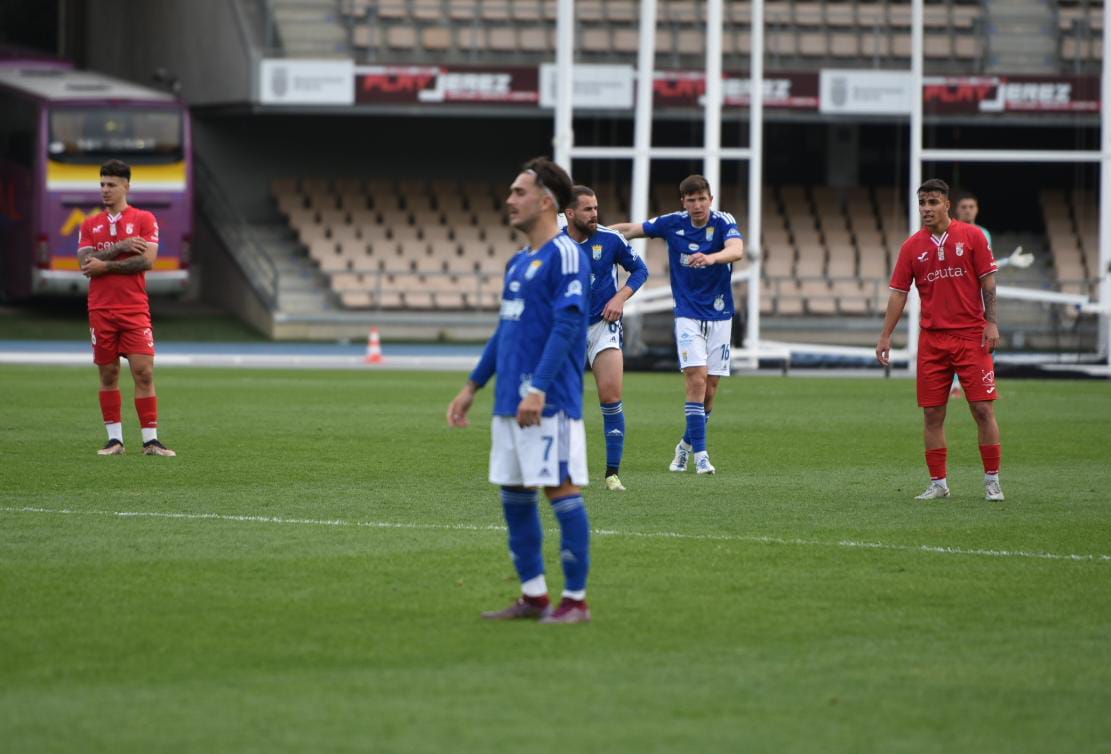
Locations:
237 236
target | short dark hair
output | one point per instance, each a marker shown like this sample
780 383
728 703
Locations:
694 184
552 177
932 185
968 195
579 190
116 169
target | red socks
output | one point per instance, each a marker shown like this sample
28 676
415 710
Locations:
991 455
936 461
110 406
147 408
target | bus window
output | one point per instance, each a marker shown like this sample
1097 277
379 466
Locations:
133 135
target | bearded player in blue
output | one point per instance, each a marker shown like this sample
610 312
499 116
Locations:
606 248
538 352
702 245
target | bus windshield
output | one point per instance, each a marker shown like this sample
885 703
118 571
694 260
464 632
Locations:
94 134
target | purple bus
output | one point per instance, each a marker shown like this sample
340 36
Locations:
57 126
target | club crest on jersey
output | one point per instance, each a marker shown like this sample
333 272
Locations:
960 250
710 233
597 251
533 268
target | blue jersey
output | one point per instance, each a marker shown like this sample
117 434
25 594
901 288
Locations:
703 293
606 249
538 284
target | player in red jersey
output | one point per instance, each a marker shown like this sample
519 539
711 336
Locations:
951 264
116 248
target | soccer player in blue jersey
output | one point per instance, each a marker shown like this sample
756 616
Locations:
606 249
702 245
538 352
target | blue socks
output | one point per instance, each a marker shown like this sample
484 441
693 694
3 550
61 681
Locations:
613 421
526 536
696 426
687 434
574 547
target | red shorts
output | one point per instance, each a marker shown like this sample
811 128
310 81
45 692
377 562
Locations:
116 334
940 354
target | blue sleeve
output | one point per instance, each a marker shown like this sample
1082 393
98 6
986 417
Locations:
657 227
568 325
731 229
572 286
488 364
633 264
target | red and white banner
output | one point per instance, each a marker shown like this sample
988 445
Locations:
447 85
950 95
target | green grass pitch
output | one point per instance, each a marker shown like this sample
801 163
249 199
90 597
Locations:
798 601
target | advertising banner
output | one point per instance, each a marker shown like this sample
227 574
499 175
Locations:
950 95
447 85
865 92
306 82
596 87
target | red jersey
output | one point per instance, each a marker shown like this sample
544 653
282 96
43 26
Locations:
115 291
946 270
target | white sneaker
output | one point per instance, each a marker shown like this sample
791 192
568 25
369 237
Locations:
702 463
682 455
992 490
934 491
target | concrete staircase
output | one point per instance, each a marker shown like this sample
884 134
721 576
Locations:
310 28
1021 36
302 288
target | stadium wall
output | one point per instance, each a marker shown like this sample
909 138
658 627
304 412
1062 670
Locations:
200 42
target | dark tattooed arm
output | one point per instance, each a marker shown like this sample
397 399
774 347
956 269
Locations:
987 287
137 263
103 255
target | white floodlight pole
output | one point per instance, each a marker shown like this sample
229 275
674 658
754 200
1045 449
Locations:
1105 204
564 138
755 178
711 163
915 170
642 129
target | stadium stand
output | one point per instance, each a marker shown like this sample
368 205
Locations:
827 251
799 33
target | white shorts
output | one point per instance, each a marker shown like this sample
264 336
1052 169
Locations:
704 343
537 456
602 336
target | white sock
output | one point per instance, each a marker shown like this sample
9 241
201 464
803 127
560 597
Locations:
943 482
578 596
535 587
686 445
149 433
115 431
698 456
991 477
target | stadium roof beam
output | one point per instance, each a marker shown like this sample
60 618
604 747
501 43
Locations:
919 155
711 152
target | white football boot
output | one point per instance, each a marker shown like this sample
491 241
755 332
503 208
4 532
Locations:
702 463
682 455
934 491
992 491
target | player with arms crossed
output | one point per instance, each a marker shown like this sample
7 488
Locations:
116 247
537 353
952 266
702 245
606 248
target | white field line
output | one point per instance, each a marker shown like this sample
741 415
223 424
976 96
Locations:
756 538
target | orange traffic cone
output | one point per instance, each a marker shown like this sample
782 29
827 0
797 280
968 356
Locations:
373 347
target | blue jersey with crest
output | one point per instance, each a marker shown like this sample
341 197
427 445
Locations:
704 293
538 284
606 249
